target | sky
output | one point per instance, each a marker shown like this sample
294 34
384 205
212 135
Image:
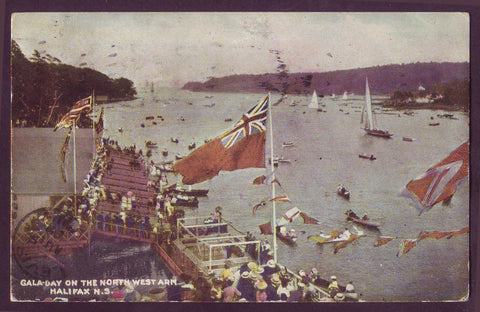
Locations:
171 49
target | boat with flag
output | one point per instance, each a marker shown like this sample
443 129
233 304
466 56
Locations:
370 122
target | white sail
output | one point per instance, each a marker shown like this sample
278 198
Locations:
369 122
345 96
314 100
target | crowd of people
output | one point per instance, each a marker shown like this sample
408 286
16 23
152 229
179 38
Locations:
250 282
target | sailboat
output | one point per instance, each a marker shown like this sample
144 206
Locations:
370 124
345 96
314 101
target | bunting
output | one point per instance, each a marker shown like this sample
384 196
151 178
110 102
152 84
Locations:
239 148
344 244
406 246
99 124
382 241
63 153
266 228
307 219
257 206
265 180
282 199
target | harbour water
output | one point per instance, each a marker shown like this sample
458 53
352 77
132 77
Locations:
327 145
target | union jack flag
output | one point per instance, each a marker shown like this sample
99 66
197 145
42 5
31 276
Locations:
439 183
252 122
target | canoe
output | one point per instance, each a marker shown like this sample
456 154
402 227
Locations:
371 157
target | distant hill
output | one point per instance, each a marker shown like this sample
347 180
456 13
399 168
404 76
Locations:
384 79
37 80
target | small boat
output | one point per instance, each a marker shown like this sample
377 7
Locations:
408 139
120 130
228 119
365 221
192 146
160 116
371 157
185 201
151 144
434 124
342 191
174 140
370 124
280 160
335 237
142 125
288 144
149 118
181 119
288 238
154 123
178 157
165 153
193 192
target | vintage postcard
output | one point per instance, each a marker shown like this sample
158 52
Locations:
240 157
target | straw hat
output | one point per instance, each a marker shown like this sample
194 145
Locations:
275 280
253 275
245 274
302 273
314 271
271 263
339 297
260 270
261 285
252 266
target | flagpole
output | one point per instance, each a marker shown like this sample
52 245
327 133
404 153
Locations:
74 167
273 179
93 127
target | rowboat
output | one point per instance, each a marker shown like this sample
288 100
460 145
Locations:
365 221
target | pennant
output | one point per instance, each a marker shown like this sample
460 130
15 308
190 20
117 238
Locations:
265 180
307 219
260 180
282 199
63 153
239 148
462 231
439 183
257 206
406 246
345 243
382 241
84 105
436 235
99 124
266 228
289 216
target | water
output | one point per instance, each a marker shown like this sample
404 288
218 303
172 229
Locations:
325 155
